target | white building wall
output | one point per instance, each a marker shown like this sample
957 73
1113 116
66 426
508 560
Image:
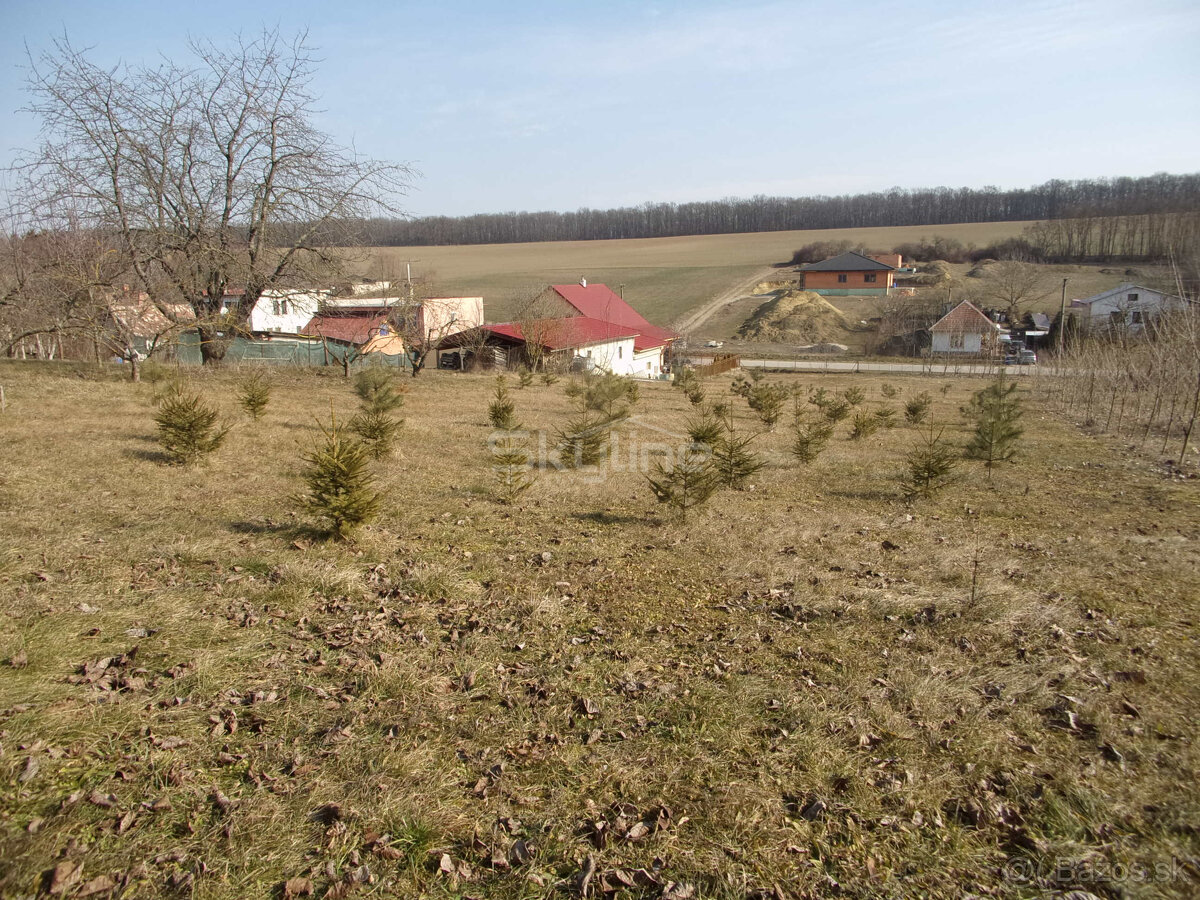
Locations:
942 343
648 363
285 312
615 356
1133 306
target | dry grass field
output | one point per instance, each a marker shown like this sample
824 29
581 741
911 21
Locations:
808 689
662 277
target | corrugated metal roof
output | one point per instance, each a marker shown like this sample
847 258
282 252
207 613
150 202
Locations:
598 301
848 262
351 329
566 332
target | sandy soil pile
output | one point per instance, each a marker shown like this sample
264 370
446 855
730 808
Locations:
797 317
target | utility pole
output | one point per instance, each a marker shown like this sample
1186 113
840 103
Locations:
1062 318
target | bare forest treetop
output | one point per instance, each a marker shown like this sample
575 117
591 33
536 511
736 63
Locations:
207 178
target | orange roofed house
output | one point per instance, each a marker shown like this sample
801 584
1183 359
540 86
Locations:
851 274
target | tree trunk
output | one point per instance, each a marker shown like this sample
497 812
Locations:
213 345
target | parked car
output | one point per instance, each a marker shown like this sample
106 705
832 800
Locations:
715 344
1020 358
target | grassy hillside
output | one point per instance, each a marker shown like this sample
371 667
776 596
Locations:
809 689
663 277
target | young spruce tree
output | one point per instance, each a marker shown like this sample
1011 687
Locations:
380 396
510 461
339 482
187 427
997 411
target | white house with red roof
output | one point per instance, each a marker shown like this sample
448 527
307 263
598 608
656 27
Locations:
589 323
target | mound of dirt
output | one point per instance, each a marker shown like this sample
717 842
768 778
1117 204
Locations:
797 317
766 287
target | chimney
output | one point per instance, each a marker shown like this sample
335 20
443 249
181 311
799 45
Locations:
583 282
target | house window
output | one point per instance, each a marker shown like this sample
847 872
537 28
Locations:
958 341
1132 298
275 307
283 307
1135 317
869 277
620 353
842 279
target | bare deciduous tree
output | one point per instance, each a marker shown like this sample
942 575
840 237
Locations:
1014 284
210 176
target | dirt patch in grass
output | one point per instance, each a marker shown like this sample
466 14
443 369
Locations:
810 689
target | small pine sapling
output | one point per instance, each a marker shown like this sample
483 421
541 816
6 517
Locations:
854 395
915 408
549 378
810 435
377 388
836 409
865 424
502 409
339 483
688 482
187 427
891 392
253 395
997 411
510 461
929 465
689 382
885 416
584 440
766 399
733 460
380 395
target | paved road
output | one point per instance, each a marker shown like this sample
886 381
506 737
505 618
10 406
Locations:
821 365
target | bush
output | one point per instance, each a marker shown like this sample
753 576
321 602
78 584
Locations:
187 427
885 416
889 391
339 484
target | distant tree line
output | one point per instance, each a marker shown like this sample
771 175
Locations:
1058 199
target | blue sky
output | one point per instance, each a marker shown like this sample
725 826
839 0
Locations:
540 105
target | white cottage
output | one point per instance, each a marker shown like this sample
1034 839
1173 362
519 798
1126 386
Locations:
1128 307
966 330
285 311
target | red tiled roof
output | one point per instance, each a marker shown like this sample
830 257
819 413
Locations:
569 331
357 328
965 318
597 301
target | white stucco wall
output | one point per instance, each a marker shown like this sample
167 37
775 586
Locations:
615 356
971 343
1132 304
269 313
648 363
